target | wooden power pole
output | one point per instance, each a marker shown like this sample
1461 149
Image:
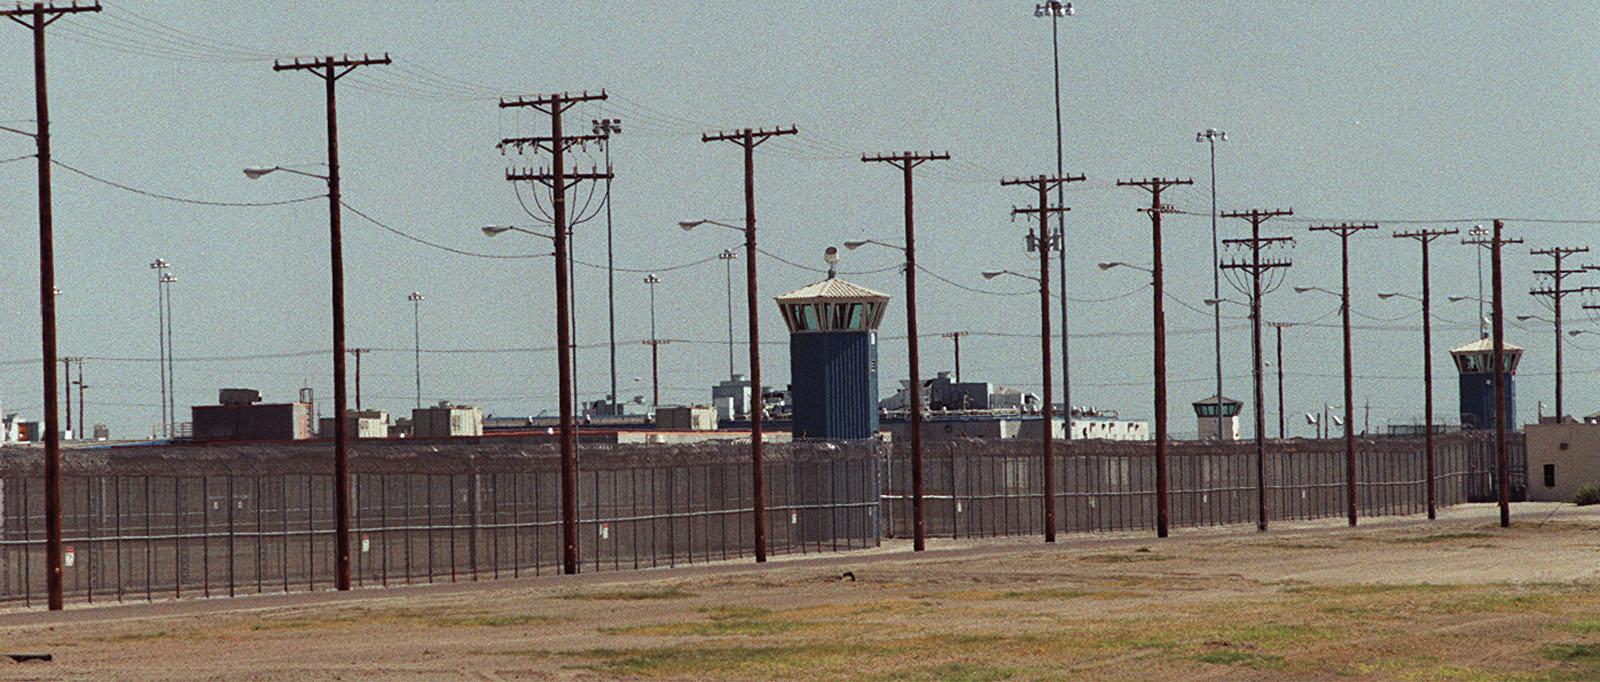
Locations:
1159 330
1042 243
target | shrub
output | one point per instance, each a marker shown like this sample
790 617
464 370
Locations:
1589 494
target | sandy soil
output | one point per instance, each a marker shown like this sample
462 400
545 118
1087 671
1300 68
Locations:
1459 598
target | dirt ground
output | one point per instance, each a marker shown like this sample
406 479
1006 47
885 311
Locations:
1456 599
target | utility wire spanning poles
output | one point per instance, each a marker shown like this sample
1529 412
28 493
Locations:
1042 243
1159 328
1424 239
1555 292
330 69
748 139
1495 243
906 162
1343 231
35 18
559 179
1257 269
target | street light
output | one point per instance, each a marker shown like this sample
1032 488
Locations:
160 265
1120 264
1055 10
727 257
416 329
655 344
606 128
1386 295
758 486
991 274
256 172
167 280
1212 136
341 436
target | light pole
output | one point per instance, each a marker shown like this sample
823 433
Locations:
758 404
608 127
1212 136
160 266
727 257
955 338
655 344
1349 407
1158 333
416 335
1476 236
1054 9
167 280
1427 369
914 369
341 436
1047 425
1278 327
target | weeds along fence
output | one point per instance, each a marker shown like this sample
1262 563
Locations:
982 488
191 521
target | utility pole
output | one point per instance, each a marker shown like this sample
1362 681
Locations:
654 343
357 352
1557 273
748 139
609 127
1256 268
416 336
1278 328
1343 231
559 179
1043 184
66 380
906 162
83 422
330 69
1425 238
1502 461
1159 328
955 337
35 18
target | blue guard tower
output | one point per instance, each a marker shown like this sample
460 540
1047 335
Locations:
833 358
1475 362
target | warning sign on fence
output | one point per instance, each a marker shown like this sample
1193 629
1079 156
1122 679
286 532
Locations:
68 557
605 531
366 543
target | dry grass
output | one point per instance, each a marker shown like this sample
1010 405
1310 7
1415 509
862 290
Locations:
1410 604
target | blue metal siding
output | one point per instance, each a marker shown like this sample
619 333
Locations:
1477 401
834 384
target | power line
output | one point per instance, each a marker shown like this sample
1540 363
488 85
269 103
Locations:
184 200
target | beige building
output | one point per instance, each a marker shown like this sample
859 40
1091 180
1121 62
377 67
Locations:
363 424
1561 459
445 420
686 418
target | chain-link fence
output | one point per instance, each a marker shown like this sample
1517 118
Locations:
148 523
980 488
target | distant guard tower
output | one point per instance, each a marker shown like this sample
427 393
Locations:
1475 363
1214 410
833 357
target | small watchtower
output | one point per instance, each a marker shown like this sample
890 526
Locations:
1475 363
1214 413
833 358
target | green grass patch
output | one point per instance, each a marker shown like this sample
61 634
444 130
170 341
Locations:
1572 653
631 595
1244 659
721 622
955 672
1047 594
488 621
1583 627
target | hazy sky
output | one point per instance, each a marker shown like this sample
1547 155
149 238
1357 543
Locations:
1343 111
